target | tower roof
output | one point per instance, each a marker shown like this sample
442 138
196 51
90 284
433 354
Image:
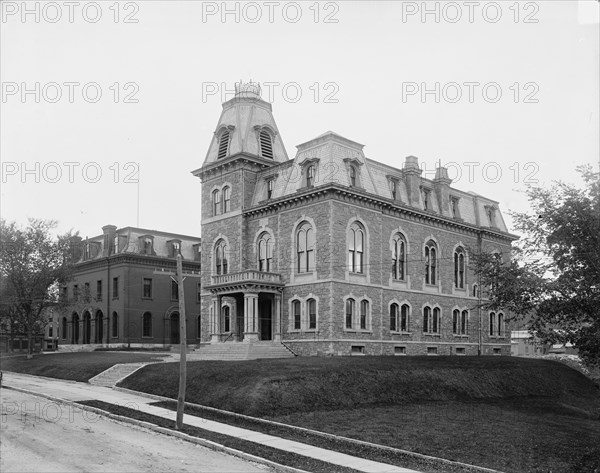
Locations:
246 125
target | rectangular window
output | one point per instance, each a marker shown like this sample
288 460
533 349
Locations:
460 351
147 289
199 293
174 291
432 350
399 350
497 351
115 288
99 290
86 291
358 350
75 291
50 331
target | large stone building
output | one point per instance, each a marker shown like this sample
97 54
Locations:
119 295
334 253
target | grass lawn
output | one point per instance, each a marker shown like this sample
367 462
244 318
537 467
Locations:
73 366
512 414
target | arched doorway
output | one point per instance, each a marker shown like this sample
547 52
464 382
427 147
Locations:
87 327
175 328
75 329
99 327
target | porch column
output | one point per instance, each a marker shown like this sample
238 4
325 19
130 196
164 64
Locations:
277 318
251 317
215 330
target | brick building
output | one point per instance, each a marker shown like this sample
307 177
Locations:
334 253
118 296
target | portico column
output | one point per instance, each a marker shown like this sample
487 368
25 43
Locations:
215 330
277 317
250 317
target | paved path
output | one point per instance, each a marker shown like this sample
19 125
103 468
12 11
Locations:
74 391
42 436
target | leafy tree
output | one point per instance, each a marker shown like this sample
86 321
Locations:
32 265
552 280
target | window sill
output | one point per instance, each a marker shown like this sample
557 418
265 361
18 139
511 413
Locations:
459 335
147 298
432 334
147 336
396 332
357 330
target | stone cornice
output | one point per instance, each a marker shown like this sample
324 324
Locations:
137 259
373 202
235 161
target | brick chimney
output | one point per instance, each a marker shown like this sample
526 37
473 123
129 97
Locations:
109 239
412 176
441 185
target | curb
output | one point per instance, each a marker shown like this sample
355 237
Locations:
173 433
316 432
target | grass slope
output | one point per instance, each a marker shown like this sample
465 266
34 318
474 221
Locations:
511 414
73 366
287 386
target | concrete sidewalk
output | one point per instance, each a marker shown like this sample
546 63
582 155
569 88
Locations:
74 391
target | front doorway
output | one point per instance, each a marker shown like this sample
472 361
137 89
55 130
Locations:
175 328
265 318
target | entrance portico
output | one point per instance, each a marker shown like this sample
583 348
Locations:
245 307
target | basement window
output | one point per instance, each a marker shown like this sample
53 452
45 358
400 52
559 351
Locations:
432 350
399 350
460 351
497 351
358 349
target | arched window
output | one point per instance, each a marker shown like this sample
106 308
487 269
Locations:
356 241
349 313
475 290
364 314
147 325
265 253
311 306
352 176
226 199
398 256
492 323
310 176
456 321
430 262
464 322
305 248
223 144
221 257
226 319
115 325
216 201
435 325
500 324
426 319
296 314
64 328
404 317
266 145
394 313
459 268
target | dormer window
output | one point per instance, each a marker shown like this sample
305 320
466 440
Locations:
146 245
426 194
310 176
454 207
86 251
270 186
266 145
116 243
491 214
394 188
352 176
223 144
174 248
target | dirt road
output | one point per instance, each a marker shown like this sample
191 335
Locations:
37 435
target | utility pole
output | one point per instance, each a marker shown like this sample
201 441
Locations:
179 277
182 345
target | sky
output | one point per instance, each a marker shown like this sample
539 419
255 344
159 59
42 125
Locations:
107 107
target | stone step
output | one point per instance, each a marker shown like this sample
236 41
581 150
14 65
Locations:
116 373
233 351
